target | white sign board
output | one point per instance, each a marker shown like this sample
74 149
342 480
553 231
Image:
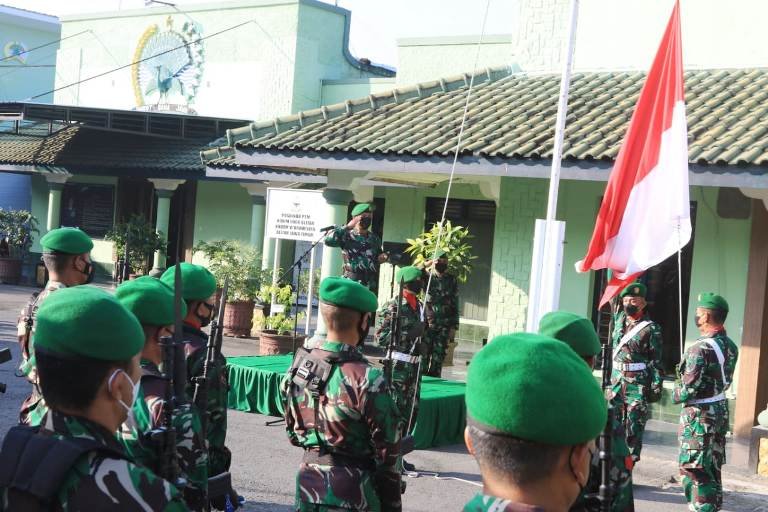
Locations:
295 214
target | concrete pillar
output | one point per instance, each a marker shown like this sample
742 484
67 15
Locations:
164 190
257 192
55 186
336 214
268 244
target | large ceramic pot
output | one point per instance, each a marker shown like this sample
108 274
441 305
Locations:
238 317
271 343
10 270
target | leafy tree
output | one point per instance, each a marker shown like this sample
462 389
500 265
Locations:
453 241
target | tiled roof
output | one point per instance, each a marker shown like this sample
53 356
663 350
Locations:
81 149
512 117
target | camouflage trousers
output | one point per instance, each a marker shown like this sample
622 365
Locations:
701 435
405 388
437 343
219 456
325 488
631 408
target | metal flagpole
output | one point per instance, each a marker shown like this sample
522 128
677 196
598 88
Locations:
546 265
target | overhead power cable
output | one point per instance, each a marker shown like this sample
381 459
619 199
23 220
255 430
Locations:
15 55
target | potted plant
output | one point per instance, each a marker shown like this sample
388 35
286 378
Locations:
142 240
16 228
454 241
277 335
241 264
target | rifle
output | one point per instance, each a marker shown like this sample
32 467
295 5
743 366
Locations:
394 333
212 351
5 356
606 492
165 435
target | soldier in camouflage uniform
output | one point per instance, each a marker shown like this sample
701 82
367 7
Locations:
637 377
704 374
405 362
361 248
579 334
443 300
338 410
89 381
199 293
66 255
530 461
152 302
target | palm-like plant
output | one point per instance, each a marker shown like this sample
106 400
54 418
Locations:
453 241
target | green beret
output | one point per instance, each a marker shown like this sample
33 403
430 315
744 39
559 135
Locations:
534 388
89 322
709 300
407 274
361 208
66 241
634 290
150 299
197 281
346 293
576 331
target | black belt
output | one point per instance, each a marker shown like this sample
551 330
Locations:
337 459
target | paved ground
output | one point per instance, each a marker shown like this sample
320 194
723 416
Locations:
264 462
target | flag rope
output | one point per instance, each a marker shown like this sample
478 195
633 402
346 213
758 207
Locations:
456 155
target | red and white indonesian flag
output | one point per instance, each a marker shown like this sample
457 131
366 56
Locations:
644 217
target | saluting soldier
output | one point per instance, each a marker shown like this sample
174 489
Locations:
529 459
579 334
704 375
637 377
152 302
406 358
360 247
66 255
87 347
338 410
443 300
199 291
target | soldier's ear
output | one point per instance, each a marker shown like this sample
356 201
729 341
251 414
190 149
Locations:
468 442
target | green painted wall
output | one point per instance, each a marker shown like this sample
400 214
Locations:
338 91
20 80
223 211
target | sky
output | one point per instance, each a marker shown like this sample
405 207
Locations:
376 24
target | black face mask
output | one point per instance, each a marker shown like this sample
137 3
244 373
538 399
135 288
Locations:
205 321
89 271
363 332
365 222
697 320
441 267
631 309
414 287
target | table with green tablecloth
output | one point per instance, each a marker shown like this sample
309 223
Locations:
255 387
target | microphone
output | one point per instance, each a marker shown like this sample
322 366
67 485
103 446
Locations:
328 228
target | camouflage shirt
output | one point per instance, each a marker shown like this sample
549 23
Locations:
486 503
98 482
643 347
148 411
444 301
700 374
33 409
219 456
361 255
409 317
354 417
